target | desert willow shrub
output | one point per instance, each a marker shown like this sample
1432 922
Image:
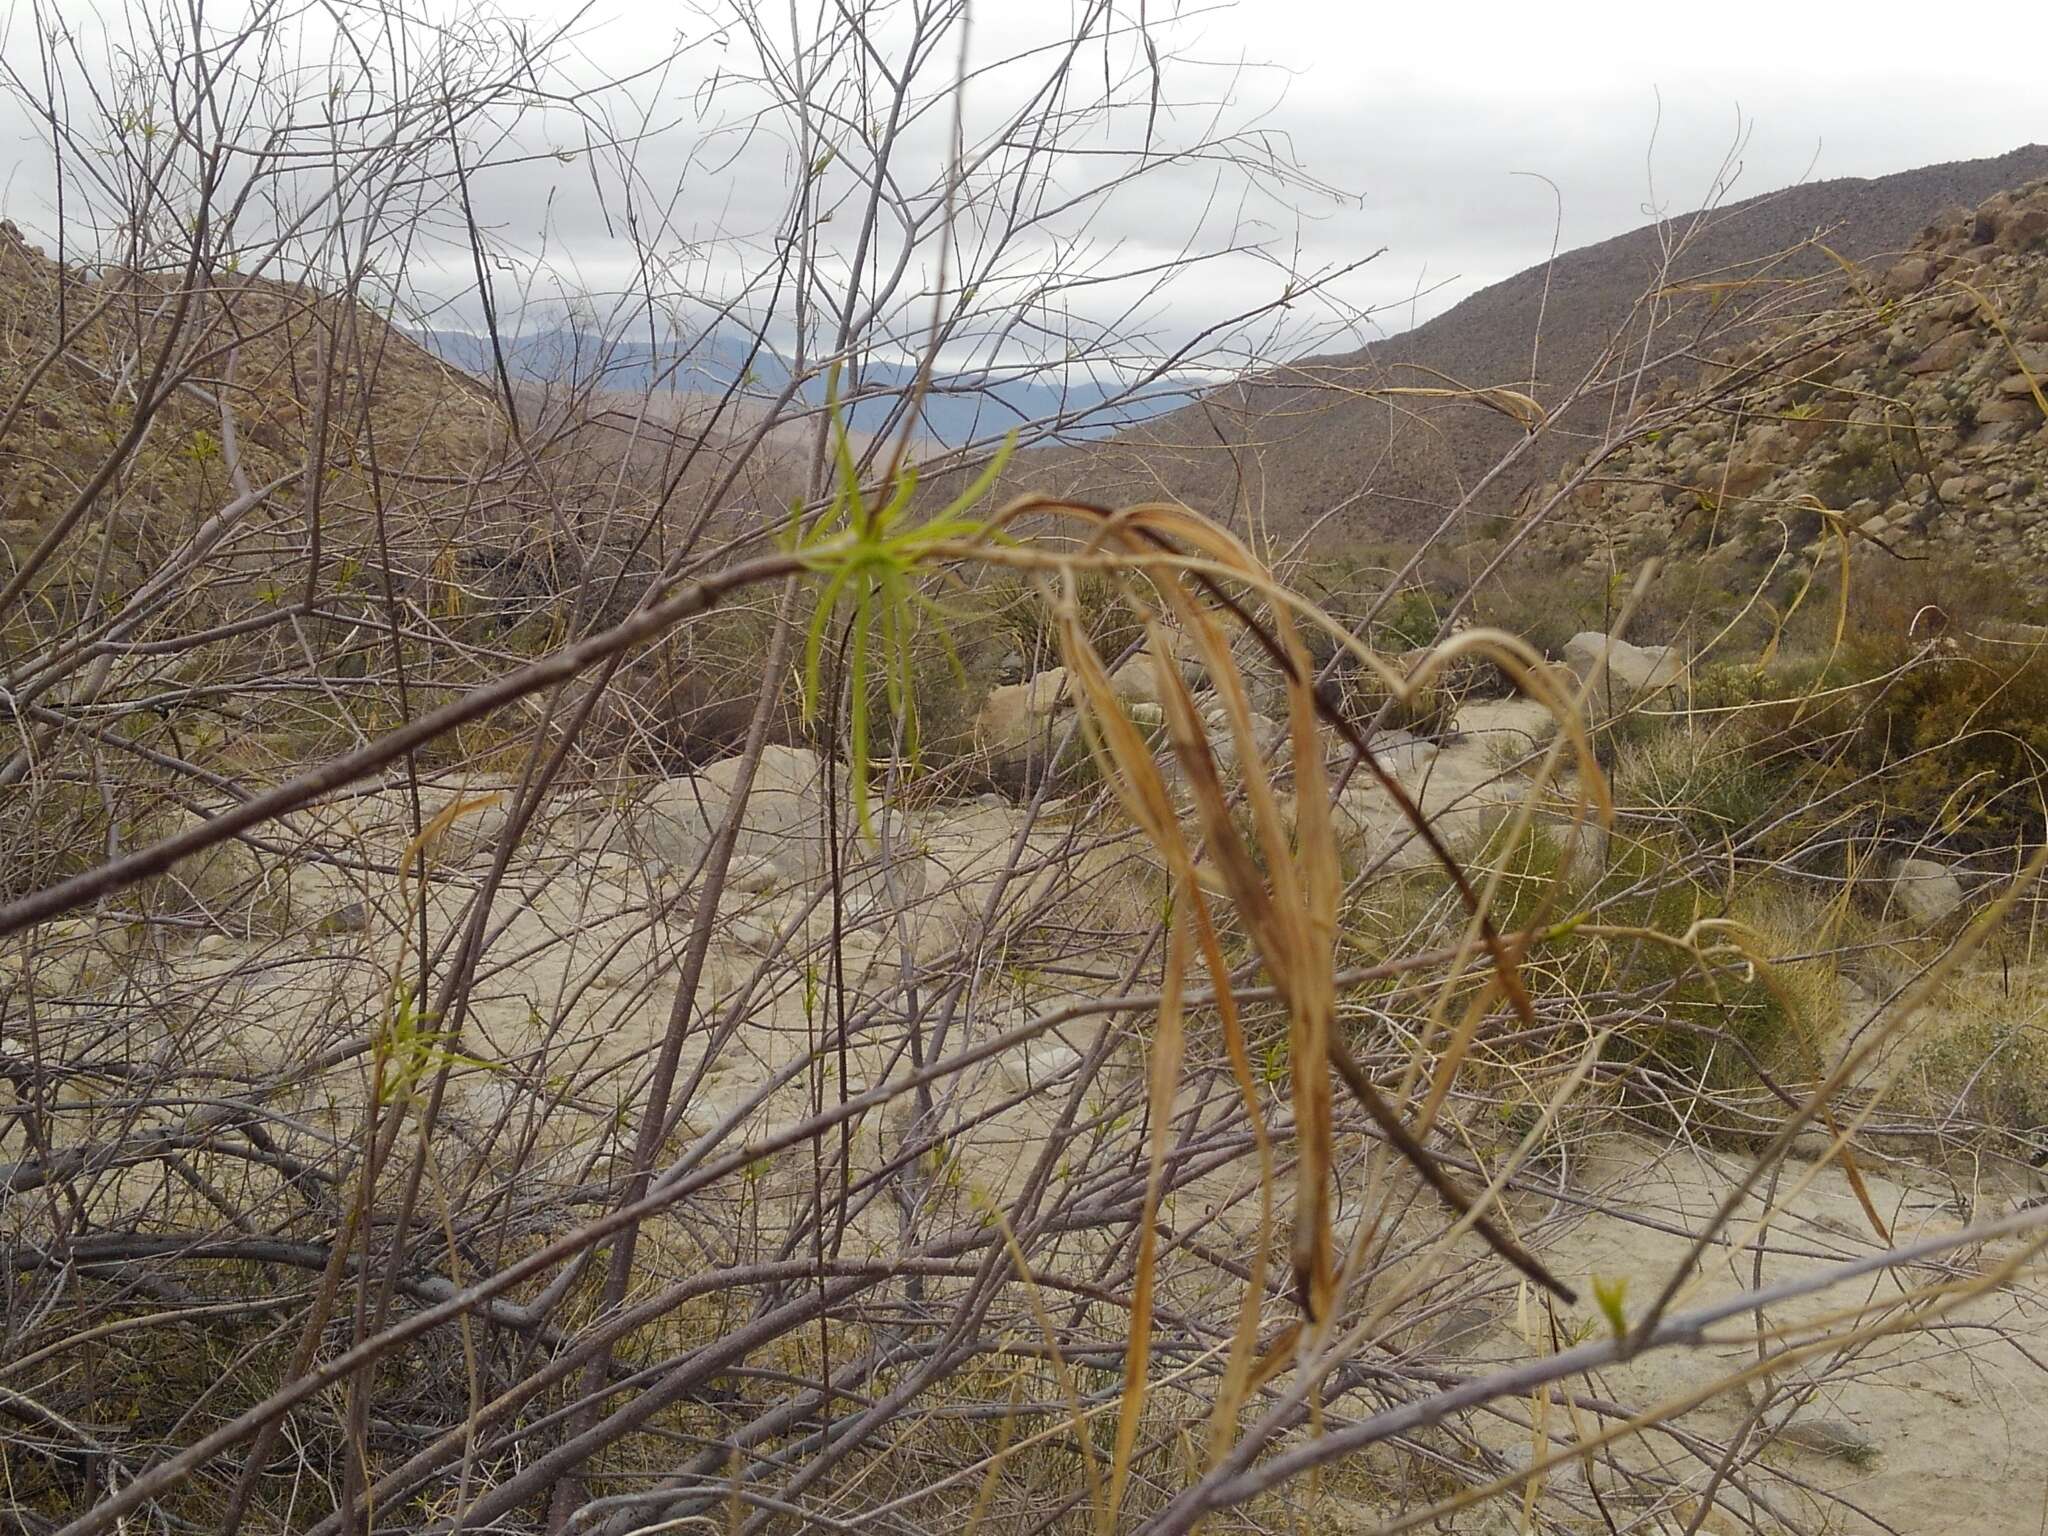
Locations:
403 1133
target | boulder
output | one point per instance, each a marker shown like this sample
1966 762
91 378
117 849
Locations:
1832 1437
473 833
1033 1066
1622 673
1461 788
382 819
1021 724
783 825
2002 412
1950 351
352 917
752 875
1908 274
1926 889
1137 680
1748 469
1269 740
2024 229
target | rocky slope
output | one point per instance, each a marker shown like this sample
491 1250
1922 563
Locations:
1914 410
249 372
1298 443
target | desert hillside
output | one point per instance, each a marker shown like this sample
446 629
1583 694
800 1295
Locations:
225 386
1909 423
590 962
1616 319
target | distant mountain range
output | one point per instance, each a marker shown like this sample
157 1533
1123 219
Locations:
958 407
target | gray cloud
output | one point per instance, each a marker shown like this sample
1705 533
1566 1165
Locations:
1424 118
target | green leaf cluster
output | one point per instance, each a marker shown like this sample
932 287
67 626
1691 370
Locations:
865 551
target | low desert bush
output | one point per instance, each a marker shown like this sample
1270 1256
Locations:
1711 786
1544 605
1928 738
1640 947
1991 1066
1906 714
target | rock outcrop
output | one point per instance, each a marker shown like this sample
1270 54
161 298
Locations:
1021 727
1926 889
1619 674
1913 416
780 840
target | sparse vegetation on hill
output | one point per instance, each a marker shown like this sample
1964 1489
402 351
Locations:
1852 518
1910 419
1377 443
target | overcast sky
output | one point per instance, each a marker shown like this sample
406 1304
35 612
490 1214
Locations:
1433 118
1428 109
1437 117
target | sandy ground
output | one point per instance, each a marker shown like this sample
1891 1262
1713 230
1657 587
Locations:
1937 1429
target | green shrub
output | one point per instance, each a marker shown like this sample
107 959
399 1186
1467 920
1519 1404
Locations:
1970 708
1960 737
1543 604
1684 1025
1713 786
1923 728
1409 621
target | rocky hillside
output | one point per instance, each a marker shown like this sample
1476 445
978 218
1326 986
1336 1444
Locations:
249 371
1315 438
1911 416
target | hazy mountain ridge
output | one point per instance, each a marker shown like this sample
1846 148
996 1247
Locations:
958 407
